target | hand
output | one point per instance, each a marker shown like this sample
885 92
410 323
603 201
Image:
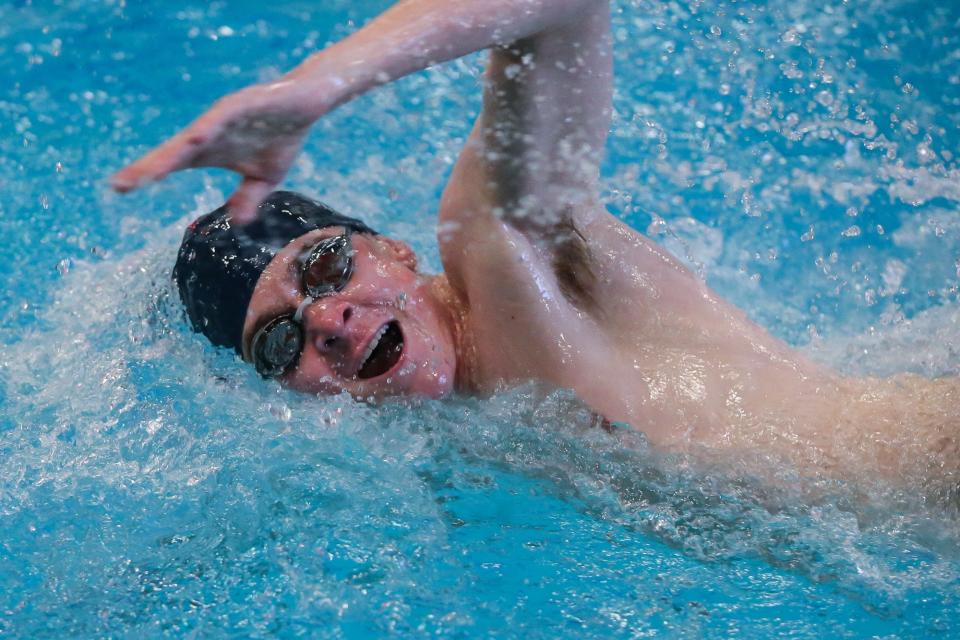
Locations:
256 132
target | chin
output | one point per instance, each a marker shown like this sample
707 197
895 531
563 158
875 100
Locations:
432 384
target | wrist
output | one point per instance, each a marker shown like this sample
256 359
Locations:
329 78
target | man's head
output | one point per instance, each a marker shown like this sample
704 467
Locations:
316 299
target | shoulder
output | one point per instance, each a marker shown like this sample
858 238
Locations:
486 256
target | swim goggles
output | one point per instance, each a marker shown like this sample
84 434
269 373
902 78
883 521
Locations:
326 270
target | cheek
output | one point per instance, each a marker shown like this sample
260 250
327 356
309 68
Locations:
433 355
312 375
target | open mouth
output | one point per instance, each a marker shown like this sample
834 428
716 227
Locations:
383 352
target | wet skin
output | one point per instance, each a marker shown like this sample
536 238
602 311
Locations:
385 287
540 283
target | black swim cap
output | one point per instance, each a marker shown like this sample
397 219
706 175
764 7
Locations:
219 264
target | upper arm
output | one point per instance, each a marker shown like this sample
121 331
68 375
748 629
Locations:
533 157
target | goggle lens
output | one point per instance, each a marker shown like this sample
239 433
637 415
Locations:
329 267
327 270
277 346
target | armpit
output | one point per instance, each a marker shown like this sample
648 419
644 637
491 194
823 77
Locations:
573 266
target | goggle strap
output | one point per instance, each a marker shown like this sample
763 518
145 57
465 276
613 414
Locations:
298 316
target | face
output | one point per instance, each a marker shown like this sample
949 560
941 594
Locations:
382 334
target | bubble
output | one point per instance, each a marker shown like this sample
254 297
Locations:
851 232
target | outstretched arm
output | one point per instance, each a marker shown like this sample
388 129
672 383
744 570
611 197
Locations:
258 131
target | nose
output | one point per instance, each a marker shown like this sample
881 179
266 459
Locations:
326 323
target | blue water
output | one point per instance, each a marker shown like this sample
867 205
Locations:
801 156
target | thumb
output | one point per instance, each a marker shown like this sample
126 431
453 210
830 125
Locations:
245 200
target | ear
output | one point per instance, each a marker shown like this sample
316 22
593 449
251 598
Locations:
400 250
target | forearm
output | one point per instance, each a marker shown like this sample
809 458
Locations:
415 34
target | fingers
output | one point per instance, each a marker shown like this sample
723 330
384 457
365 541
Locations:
132 176
248 196
179 152
171 156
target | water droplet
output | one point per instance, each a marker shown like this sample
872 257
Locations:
44 202
63 267
824 97
280 411
808 236
715 30
749 207
851 232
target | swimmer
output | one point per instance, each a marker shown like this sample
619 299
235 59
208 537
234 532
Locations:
539 283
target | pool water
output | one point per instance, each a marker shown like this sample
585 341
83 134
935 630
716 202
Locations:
801 156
